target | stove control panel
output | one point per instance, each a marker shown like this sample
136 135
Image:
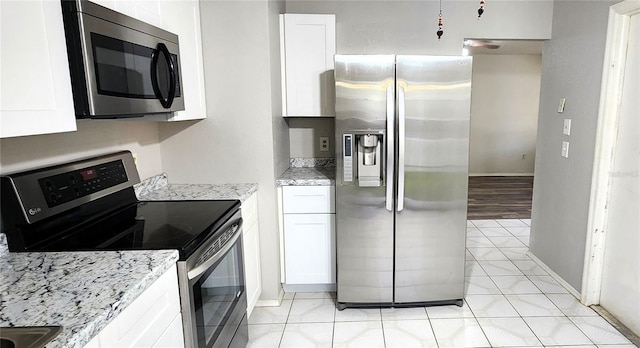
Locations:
44 192
65 187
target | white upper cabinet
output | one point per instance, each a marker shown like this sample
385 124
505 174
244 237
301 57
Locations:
183 19
308 44
148 11
35 86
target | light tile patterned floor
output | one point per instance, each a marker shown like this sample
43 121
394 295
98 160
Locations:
510 302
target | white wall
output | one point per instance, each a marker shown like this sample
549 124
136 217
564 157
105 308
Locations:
504 114
93 137
409 27
571 68
305 133
241 141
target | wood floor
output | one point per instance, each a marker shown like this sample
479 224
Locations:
500 197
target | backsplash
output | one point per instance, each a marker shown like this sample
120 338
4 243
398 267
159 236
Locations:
311 162
151 184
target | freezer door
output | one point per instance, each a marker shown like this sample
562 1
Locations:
364 215
433 105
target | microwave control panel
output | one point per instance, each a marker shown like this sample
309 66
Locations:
65 187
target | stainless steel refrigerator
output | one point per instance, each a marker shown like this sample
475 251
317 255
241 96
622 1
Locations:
402 135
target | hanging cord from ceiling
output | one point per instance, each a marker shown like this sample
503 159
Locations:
440 32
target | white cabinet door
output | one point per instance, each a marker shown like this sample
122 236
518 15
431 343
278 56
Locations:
35 97
146 321
252 265
310 248
251 250
145 10
309 46
183 19
173 336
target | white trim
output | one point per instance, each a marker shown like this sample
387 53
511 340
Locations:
608 116
283 67
500 174
272 303
555 276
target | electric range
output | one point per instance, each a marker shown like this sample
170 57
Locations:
90 205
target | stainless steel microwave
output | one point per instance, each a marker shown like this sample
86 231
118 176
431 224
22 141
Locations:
120 66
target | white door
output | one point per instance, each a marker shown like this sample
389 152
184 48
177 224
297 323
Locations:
621 268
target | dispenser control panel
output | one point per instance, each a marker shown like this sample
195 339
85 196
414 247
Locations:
347 157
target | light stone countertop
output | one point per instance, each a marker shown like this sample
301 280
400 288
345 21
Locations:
308 176
200 192
309 171
80 291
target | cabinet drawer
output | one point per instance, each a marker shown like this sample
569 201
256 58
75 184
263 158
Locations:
308 199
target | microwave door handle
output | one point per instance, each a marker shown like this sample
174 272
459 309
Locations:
168 100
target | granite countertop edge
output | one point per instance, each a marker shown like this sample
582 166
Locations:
158 188
307 176
79 291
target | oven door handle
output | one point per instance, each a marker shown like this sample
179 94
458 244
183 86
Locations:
205 265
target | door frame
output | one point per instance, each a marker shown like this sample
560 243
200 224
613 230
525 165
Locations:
608 118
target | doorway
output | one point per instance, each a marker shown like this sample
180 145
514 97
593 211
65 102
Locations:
504 121
611 274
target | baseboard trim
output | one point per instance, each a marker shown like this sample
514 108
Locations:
309 287
500 174
555 276
271 303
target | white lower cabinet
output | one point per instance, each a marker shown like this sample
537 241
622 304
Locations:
251 250
310 248
152 320
309 237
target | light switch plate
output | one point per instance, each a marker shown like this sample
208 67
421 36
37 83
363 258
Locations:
565 149
561 105
566 129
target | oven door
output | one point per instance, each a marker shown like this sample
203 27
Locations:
215 287
127 72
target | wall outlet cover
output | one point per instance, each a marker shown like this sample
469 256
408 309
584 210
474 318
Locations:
324 144
566 129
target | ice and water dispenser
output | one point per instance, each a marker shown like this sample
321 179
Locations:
363 158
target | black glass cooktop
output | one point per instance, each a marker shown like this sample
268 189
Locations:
181 225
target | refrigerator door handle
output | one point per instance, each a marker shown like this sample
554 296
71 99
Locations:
390 154
401 134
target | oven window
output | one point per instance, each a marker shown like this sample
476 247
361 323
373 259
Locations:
123 69
216 296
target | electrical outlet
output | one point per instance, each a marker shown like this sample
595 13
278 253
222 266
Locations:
566 129
324 144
